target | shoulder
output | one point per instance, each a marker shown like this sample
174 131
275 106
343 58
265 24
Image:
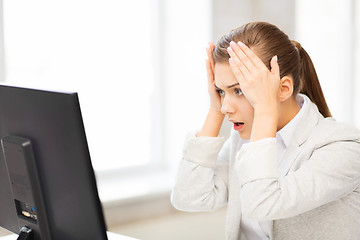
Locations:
328 131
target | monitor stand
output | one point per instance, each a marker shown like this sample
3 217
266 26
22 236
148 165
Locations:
26 188
26 234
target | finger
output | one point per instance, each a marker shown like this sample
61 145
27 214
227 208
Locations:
208 53
210 74
237 62
275 69
246 61
237 72
212 47
210 57
248 52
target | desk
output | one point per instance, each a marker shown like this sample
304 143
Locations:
111 236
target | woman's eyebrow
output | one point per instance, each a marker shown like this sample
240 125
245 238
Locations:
233 85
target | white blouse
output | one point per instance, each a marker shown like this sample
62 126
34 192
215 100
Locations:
260 230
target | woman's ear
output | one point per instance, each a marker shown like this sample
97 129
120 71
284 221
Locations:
286 88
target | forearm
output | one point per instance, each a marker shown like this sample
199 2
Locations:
199 188
201 183
212 124
265 123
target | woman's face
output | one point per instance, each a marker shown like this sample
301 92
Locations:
233 102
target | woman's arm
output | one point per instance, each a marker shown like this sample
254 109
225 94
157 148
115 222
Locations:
332 172
212 124
214 119
202 182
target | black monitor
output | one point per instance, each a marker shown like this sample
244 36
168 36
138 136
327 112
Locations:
47 184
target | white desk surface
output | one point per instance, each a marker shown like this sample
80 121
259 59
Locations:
111 236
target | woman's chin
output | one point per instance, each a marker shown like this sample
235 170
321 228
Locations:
244 135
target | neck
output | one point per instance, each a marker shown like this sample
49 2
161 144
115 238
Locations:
288 110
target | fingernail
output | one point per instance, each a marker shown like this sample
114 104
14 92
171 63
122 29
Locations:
276 58
232 43
231 61
230 50
240 43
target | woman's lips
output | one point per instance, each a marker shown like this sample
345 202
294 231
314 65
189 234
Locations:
238 126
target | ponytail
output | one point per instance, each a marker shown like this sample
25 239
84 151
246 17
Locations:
310 83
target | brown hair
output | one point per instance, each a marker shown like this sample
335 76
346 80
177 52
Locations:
267 40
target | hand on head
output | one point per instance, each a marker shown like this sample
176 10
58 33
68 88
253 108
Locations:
215 101
259 85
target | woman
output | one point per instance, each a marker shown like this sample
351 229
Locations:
288 170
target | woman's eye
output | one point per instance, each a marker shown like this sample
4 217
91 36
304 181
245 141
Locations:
221 92
238 92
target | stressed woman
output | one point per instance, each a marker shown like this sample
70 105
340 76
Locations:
288 170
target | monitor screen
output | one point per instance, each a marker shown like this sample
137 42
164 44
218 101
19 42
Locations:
47 182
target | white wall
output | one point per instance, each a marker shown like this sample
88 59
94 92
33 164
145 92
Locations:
356 65
326 30
229 14
186 33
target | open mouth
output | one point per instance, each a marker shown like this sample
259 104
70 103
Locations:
238 126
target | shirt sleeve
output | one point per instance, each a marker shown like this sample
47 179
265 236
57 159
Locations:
202 177
332 172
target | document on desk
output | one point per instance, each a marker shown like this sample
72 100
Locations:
115 236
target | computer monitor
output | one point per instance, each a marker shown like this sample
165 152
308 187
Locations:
47 183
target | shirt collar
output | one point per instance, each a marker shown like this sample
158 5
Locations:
286 133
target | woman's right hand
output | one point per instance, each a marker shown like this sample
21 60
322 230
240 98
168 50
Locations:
215 101
214 119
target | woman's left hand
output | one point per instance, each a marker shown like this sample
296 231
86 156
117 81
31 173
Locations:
259 85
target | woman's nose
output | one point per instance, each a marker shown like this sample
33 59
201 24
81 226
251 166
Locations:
226 106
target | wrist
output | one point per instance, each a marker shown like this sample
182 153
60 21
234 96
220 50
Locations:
265 123
268 112
268 118
212 124
216 112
